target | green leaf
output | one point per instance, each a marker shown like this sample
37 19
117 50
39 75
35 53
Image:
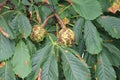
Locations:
78 29
90 59
113 54
104 69
5 27
105 4
6 72
15 2
31 47
38 0
37 60
92 38
50 67
44 12
25 2
6 48
74 69
23 24
89 9
111 25
21 60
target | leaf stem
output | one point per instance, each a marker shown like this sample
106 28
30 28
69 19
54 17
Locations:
51 39
57 30
64 9
7 12
19 2
69 1
60 21
46 20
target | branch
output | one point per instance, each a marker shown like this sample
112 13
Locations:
46 20
60 21
38 16
69 1
39 74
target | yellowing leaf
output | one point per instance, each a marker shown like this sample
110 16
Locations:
114 8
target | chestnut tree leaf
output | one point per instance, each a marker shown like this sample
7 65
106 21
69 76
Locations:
21 60
106 4
31 47
92 38
111 25
74 69
50 67
78 30
25 2
37 60
104 69
6 48
6 72
4 25
89 9
113 54
22 23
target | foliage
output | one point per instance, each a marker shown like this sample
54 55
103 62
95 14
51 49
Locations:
92 54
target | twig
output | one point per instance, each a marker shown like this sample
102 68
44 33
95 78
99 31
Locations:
60 21
39 74
4 33
46 20
38 16
69 1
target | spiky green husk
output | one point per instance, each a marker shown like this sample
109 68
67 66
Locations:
66 37
38 33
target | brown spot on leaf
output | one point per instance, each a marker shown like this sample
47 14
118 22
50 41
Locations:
88 76
4 33
104 17
2 64
22 35
95 67
27 63
99 62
